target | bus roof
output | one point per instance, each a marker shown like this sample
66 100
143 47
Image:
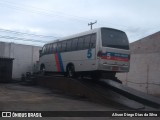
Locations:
80 34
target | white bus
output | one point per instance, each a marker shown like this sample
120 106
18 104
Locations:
101 50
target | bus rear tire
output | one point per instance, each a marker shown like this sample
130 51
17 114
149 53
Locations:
71 71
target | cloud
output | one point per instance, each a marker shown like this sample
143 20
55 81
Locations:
61 18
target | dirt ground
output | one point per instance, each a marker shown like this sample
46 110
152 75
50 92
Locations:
16 97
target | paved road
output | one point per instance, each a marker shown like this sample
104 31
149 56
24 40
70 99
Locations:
15 97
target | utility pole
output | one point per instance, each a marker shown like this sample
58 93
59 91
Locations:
92 24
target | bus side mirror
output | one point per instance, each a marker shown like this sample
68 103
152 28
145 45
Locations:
40 53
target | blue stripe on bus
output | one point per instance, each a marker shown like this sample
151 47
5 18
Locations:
60 62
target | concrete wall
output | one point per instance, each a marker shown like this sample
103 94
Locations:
25 56
144 72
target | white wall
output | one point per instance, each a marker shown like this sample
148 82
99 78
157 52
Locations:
25 56
144 72
4 49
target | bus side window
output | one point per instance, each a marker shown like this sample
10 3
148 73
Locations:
93 41
80 43
47 49
59 49
43 49
50 48
69 44
63 46
74 44
54 47
87 41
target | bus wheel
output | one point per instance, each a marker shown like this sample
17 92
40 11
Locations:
42 69
71 71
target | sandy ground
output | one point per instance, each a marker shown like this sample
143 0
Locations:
16 97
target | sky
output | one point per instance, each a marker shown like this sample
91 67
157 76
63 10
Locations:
53 19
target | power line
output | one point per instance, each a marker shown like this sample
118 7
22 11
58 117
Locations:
40 10
44 12
22 39
48 38
55 13
15 32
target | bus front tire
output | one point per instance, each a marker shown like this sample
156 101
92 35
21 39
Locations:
71 71
42 69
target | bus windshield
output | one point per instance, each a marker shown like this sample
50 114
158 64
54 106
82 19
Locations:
114 38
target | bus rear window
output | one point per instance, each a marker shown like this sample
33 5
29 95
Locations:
114 38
